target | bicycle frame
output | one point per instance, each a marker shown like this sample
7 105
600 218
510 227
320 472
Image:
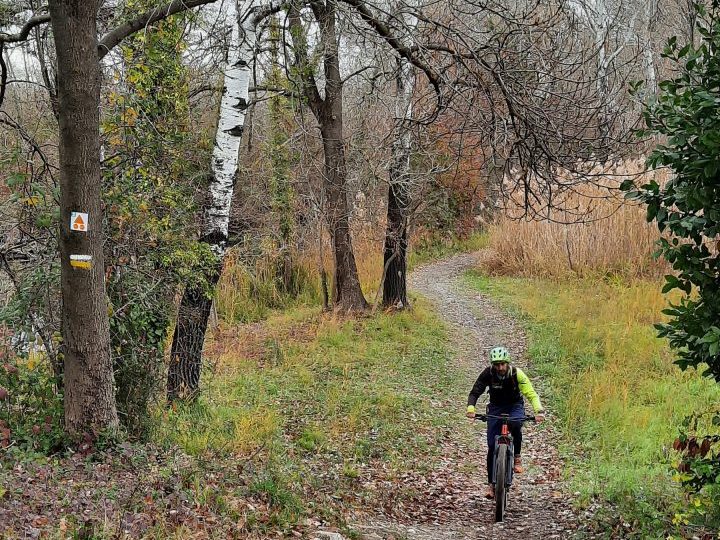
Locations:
503 446
505 438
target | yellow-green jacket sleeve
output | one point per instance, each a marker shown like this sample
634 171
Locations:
528 391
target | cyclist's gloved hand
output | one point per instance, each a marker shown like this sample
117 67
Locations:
471 411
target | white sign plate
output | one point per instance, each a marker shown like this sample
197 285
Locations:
79 222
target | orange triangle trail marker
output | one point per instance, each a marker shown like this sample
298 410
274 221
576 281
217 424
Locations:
78 222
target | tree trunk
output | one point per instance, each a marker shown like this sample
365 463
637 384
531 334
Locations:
651 12
324 286
395 253
188 340
89 383
347 293
602 87
192 321
649 65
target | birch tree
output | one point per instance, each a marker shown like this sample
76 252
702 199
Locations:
612 25
194 311
651 19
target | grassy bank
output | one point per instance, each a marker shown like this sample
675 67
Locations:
309 404
302 419
613 386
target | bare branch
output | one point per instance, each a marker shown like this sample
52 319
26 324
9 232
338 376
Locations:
25 30
259 14
384 32
355 73
6 120
202 90
116 35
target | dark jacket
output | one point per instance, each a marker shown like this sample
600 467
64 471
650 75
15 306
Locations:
505 391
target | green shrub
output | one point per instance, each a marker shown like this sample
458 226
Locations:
31 410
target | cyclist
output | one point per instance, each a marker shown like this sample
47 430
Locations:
507 385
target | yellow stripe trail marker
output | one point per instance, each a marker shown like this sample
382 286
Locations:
81 261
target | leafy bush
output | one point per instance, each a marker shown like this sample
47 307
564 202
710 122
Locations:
687 210
150 180
30 404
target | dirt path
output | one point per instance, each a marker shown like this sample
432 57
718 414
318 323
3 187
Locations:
453 507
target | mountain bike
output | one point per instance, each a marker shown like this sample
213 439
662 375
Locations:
503 459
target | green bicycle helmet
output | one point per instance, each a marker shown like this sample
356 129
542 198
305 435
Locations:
499 355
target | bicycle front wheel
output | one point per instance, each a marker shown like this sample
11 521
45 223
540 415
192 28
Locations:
500 488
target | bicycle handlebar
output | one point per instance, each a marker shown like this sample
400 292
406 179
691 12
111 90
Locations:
484 418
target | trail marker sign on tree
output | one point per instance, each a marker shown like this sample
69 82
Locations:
78 222
81 261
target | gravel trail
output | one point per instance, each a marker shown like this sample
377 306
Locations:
453 507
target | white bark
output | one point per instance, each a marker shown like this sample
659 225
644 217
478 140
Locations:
403 114
607 19
649 64
403 107
230 126
651 11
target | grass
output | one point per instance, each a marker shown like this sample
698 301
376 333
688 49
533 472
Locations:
327 398
425 250
250 293
618 397
297 413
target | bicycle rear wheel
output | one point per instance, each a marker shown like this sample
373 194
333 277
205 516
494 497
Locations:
500 477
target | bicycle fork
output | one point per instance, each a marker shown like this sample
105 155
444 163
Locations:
505 439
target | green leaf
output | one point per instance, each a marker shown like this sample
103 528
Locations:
15 179
652 210
627 185
672 282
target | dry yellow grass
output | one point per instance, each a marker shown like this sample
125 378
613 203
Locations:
613 239
368 257
247 293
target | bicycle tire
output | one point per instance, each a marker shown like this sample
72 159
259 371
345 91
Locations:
500 478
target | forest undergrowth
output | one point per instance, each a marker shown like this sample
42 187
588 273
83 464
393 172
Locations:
304 417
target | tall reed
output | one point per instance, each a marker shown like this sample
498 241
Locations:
612 237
